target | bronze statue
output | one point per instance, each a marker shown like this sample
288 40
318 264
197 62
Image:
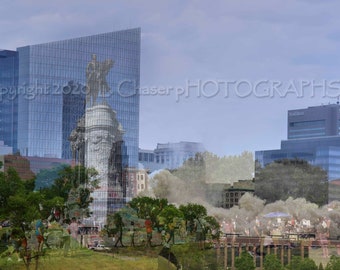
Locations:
96 73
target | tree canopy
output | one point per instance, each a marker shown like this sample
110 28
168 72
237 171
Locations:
291 178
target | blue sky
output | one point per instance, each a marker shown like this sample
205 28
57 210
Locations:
223 73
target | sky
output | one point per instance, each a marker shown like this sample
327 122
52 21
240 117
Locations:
222 72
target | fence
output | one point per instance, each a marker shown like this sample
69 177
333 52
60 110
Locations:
233 246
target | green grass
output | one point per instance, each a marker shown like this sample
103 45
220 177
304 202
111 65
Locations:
85 260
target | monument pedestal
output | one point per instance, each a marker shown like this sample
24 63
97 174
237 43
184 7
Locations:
102 131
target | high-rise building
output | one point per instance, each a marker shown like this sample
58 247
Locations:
313 135
77 99
169 155
50 90
8 98
314 122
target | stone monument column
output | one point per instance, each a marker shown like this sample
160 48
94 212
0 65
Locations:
102 130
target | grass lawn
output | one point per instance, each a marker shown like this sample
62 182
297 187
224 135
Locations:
85 259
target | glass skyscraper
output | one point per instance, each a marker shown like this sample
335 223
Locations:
50 83
313 135
8 98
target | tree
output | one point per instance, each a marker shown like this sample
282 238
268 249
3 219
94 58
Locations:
192 211
24 209
271 262
333 264
10 185
245 262
292 178
298 263
74 185
45 178
147 206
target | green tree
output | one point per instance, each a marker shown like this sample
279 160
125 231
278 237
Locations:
333 264
10 185
298 263
45 178
74 186
294 178
271 262
147 206
24 209
245 262
192 211
169 214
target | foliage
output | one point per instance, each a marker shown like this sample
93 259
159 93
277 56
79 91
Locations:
23 209
245 262
298 263
45 178
11 188
192 211
114 224
169 214
333 264
193 170
271 262
294 178
73 187
148 207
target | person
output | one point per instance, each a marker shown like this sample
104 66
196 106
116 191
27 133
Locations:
73 231
119 226
39 227
171 233
132 233
148 228
323 234
199 233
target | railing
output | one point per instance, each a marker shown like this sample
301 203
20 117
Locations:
280 245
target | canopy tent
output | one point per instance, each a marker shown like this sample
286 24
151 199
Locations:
276 215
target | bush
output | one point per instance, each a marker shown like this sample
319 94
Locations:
245 262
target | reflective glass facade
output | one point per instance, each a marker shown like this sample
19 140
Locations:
314 122
169 155
8 98
313 135
47 108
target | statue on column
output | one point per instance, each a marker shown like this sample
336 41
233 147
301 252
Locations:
77 141
96 73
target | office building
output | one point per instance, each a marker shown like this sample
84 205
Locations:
169 155
49 81
313 134
5 149
51 95
8 99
